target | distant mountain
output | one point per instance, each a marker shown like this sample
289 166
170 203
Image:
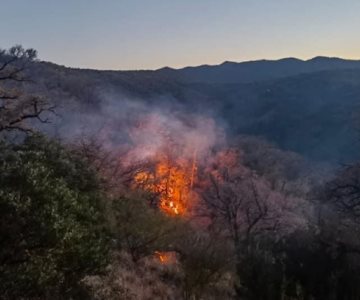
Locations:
311 107
245 72
315 114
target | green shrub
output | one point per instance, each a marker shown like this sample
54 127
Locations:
52 229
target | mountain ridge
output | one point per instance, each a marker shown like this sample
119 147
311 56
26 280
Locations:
258 70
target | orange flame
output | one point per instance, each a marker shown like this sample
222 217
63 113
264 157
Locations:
172 180
166 258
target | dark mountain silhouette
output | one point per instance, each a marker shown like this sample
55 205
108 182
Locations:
244 72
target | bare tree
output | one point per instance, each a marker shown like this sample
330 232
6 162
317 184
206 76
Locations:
240 202
206 260
344 192
339 211
16 107
238 198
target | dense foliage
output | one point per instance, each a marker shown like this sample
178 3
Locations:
51 229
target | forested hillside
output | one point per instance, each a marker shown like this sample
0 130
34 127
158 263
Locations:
142 185
313 112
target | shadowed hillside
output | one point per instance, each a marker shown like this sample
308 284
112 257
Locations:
310 107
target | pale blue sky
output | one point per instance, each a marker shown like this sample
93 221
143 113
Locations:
136 34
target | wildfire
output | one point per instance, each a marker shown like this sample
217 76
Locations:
172 180
166 258
173 144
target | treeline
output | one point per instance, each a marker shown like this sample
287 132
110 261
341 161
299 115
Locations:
74 226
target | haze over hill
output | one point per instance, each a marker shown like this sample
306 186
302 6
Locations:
310 107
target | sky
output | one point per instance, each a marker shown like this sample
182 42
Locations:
150 34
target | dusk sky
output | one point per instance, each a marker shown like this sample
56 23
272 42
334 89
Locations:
149 34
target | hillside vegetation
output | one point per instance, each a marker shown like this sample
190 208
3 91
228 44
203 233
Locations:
310 107
143 185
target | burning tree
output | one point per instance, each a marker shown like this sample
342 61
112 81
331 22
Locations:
172 150
172 181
